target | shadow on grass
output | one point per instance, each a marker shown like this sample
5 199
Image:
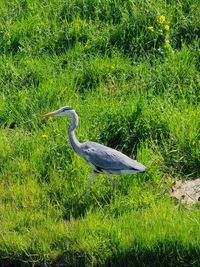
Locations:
77 210
165 253
71 258
74 211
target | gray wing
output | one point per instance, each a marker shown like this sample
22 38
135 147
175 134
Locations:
106 158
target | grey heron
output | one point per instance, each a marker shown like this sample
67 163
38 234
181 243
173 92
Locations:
102 159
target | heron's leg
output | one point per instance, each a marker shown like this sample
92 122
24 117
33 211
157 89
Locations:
112 182
87 187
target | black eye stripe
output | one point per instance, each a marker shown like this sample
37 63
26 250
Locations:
66 108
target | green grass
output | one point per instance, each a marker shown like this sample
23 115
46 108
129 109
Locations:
135 90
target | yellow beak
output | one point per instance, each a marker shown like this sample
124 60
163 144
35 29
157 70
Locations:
50 114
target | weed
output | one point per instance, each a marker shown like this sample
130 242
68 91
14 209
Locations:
131 70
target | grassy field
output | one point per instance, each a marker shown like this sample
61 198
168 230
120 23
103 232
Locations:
131 70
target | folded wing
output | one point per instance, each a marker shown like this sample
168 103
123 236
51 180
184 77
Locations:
106 158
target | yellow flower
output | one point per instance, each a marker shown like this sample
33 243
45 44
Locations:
151 28
161 19
45 136
160 31
166 27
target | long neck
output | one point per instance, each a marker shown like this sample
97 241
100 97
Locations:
71 133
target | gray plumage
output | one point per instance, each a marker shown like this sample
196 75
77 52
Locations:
109 161
103 159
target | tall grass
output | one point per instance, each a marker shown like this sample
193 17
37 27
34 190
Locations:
137 90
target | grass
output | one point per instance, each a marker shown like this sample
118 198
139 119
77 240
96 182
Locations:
136 89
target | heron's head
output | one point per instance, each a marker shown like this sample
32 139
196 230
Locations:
64 111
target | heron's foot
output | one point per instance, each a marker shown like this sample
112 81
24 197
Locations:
72 206
69 207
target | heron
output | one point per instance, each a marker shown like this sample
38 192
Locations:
103 159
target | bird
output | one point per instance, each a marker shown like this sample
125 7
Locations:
102 159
